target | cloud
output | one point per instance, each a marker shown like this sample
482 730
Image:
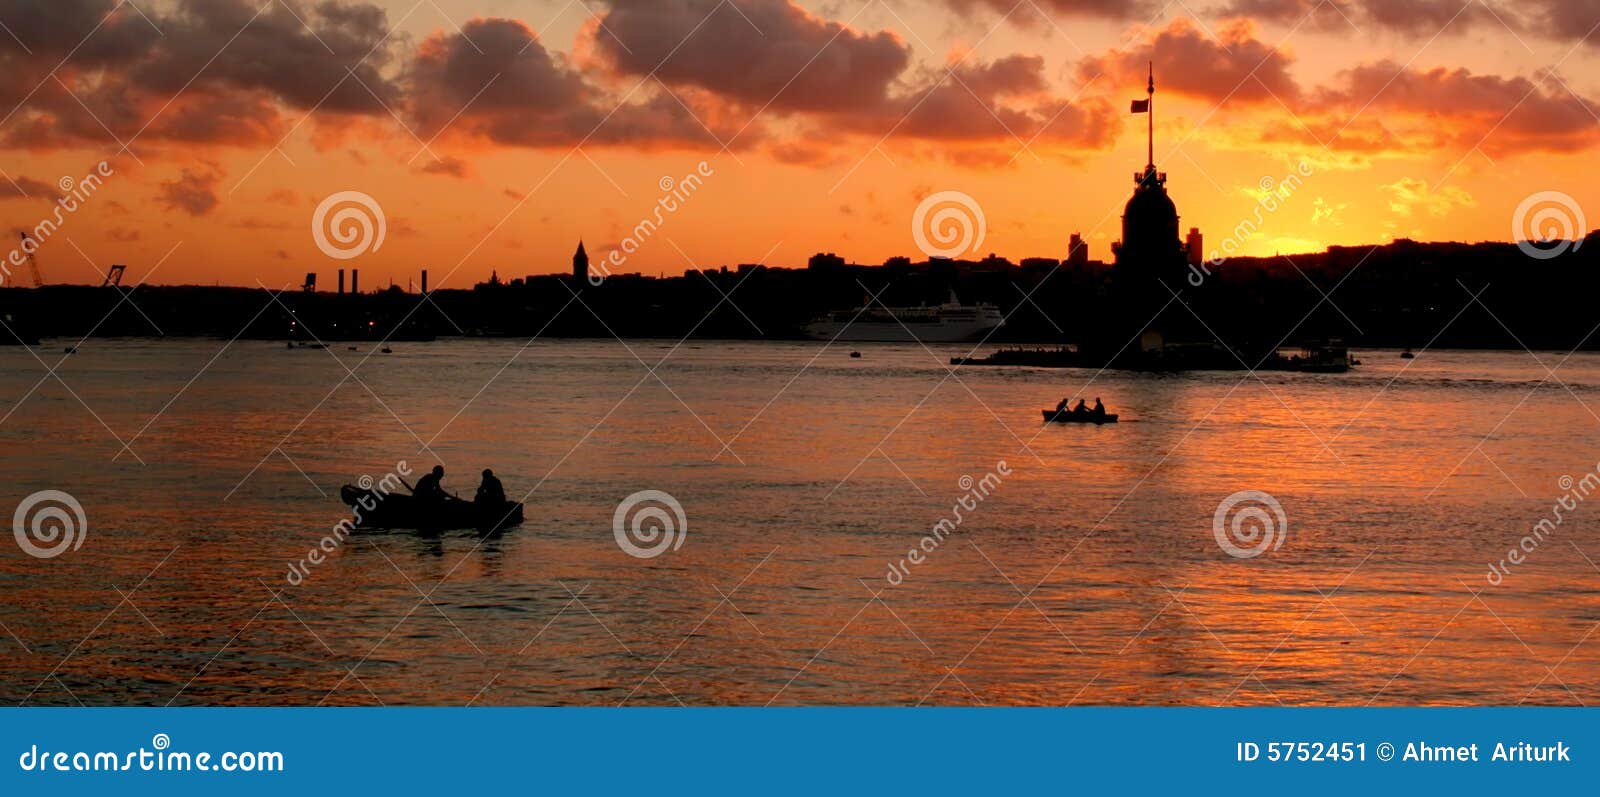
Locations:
494 80
1502 115
1004 101
1102 9
774 70
194 192
1234 65
1411 196
448 166
1554 20
26 188
1371 109
216 71
760 53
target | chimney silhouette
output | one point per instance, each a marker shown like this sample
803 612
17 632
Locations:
355 280
341 282
424 280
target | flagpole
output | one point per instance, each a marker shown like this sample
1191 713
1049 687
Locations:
1151 113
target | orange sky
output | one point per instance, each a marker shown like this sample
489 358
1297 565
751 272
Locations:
493 133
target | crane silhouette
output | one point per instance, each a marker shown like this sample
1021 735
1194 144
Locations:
33 262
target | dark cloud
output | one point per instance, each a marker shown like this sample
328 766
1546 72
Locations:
496 81
762 53
1501 114
215 71
447 166
774 57
1028 14
304 56
1232 65
1376 107
1006 100
195 192
1556 20
23 187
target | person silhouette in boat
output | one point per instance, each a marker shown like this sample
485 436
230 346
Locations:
1099 409
428 487
1062 407
490 491
1081 409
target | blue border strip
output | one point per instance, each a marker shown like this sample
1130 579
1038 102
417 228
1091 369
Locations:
794 751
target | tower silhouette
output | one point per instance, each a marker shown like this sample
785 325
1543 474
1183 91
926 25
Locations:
1151 264
1150 248
580 268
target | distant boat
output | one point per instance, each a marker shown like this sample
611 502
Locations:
951 322
1068 416
1331 357
1407 355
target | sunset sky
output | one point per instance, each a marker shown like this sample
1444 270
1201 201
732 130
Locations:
494 133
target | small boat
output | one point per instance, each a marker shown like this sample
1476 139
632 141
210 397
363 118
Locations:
402 511
1407 355
1068 416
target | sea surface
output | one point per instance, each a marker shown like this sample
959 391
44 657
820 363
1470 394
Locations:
1090 573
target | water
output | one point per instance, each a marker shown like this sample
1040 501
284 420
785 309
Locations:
1090 575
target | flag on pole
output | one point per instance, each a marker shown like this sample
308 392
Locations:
1141 106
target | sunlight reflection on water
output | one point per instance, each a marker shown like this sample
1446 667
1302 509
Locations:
1399 487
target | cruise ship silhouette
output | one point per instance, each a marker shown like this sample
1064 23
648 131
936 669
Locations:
951 322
